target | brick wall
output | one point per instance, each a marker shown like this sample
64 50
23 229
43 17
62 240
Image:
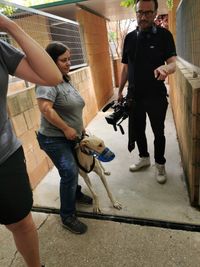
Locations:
185 98
82 80
184 90
97 47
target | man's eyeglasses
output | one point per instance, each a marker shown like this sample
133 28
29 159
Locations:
147 13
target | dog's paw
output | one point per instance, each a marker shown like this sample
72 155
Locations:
117 205
106 173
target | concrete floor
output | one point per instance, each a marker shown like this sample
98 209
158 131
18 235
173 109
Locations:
139 193
113 244
107 244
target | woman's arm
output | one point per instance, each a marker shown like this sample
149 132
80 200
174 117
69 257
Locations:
37 66
46 108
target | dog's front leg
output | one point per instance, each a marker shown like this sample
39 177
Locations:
104 170
96 207
99 172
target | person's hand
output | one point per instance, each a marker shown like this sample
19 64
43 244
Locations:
70 133
161 73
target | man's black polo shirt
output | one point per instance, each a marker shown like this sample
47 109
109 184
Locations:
144 52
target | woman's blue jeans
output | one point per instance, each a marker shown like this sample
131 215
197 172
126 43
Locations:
61 152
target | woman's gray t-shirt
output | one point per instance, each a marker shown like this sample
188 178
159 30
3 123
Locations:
9 60
68 104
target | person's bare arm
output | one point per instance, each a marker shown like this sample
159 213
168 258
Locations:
163 71
46 108
37 66
123 80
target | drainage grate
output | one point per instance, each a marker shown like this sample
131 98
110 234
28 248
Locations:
127 219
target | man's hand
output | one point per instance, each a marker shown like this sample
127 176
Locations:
161 73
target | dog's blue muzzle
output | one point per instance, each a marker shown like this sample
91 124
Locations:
105 156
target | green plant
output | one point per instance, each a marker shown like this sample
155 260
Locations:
170 4
7 10
131 3
128 3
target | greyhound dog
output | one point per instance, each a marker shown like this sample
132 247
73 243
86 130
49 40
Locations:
87 163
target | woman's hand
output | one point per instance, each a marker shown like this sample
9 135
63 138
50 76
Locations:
70 133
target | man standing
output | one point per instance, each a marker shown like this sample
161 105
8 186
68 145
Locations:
149 56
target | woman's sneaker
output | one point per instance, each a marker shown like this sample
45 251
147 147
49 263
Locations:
143 162
74 225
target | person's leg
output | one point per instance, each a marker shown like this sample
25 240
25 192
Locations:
68 171
15 205
61 152
26 240
157 113
157 109
139 118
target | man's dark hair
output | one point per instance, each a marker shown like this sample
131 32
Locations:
155 2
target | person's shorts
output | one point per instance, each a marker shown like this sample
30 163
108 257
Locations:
16 198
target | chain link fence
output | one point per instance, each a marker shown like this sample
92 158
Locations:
44 28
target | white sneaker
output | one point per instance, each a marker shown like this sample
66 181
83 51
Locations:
161 175
143 162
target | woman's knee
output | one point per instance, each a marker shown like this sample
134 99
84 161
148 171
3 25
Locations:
69 177
69 172
24 225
